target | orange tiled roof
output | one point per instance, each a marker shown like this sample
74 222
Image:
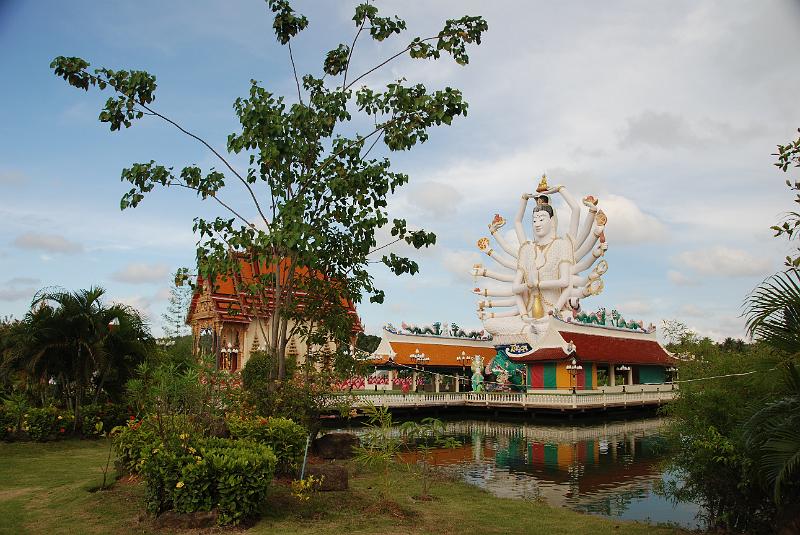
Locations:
228 301
439 354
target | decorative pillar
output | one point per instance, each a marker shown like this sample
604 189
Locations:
612 375
458 383
436 383
414 381
630 375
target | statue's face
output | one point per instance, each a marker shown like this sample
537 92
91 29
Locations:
542 223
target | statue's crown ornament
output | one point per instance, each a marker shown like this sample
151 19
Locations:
542 187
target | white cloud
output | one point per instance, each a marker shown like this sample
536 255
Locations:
458 263
658 129
723 261
141 273
635 306
434 199
627 223
50 243
692 311
676 277
19 288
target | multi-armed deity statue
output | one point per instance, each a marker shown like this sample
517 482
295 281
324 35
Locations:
543 277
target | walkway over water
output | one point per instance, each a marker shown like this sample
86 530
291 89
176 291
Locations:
558 400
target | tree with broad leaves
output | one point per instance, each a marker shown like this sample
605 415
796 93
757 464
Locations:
316 197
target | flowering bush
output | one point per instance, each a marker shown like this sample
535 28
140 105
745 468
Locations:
190 474
110 414
286 438
47 423
134 443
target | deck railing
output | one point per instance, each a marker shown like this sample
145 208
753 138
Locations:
555 400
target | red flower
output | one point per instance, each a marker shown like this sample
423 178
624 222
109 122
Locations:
132 418
61 430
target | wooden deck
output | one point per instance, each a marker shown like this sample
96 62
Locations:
558 401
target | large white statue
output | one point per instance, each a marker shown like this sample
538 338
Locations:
543 277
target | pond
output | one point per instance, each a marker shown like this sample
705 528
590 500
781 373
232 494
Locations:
607 468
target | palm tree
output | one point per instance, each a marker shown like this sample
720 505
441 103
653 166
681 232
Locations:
773 316
82 345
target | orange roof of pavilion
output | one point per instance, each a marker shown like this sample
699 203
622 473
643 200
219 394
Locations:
229 292
438 354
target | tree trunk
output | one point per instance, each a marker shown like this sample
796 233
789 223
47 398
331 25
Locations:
277 306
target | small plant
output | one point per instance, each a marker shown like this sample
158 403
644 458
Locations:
302 489
426 436
16 405
379 446
109 439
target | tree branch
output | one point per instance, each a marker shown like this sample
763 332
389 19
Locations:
225 205
350 54
406 49
294 70
217 154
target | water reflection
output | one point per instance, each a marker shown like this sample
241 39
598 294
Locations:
608 468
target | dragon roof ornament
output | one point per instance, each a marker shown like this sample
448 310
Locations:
440 329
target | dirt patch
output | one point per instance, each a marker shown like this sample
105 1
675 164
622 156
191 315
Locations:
388 508
426 498
129 479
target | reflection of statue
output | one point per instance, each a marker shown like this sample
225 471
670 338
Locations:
544 275
477 374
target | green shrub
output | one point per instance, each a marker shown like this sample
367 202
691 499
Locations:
285 438
242 471
7 423
48 423
110 414
134 443
190 475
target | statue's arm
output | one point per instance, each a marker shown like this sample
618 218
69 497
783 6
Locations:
485 292
505 262
503 243
483 315
483 272
586 246
587 223
586 263
493 303
564 272
520 217
575 211
562 281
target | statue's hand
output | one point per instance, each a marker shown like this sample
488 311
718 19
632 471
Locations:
527 196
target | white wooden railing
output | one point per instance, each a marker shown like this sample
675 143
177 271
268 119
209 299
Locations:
555 400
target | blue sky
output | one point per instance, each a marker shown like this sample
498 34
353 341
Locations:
668 111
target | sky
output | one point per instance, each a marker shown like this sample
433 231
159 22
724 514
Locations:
668 111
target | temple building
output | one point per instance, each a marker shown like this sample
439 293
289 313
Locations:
589 352
432 358
230 323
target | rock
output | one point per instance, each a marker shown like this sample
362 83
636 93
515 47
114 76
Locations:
334 477
196 520
336 445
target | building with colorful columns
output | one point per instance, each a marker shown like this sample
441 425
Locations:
589 352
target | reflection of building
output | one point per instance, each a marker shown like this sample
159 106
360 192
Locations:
230 322
579 466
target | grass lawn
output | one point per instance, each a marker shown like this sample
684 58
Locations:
44 488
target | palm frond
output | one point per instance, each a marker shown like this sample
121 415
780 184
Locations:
773 311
